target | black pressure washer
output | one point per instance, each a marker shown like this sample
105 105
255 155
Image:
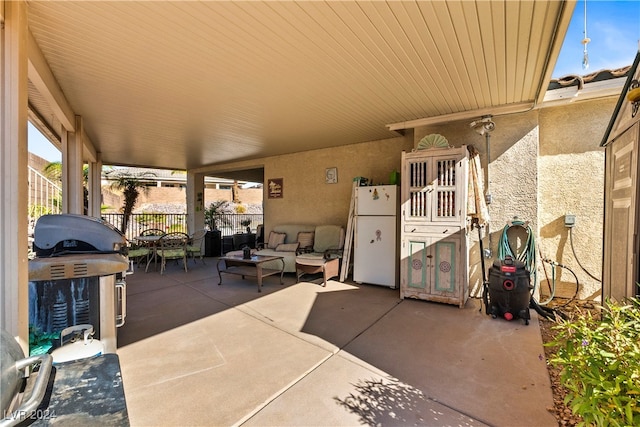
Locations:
508 292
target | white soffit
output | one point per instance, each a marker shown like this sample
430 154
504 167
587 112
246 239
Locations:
182 85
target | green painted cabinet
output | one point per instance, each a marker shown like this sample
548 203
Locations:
434 243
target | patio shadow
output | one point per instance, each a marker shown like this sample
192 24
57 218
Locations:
158 303
385 402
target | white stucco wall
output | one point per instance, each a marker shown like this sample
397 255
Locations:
571 174
307 199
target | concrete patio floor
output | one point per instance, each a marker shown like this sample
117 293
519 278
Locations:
194 353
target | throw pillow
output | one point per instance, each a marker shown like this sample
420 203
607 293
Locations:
305 238
275 239
287 247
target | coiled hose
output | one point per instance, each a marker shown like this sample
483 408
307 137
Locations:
528 257
528 253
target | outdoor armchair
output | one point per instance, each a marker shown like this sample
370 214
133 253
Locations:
172 246
195 246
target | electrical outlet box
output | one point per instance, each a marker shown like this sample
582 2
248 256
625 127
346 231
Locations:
569 220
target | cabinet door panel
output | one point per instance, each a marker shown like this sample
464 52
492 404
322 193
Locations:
416 266
446 259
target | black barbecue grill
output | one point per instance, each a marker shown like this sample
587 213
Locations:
77 277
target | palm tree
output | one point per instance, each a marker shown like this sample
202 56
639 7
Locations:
53 171
235 192
130 185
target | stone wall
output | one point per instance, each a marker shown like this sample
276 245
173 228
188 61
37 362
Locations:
176 196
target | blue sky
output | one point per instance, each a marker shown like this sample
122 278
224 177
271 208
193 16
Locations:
614 30
40 146
612 26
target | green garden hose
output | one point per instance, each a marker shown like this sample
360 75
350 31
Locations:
527 255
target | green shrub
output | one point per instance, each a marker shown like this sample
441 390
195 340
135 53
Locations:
600 364
36 211
176 228
146 218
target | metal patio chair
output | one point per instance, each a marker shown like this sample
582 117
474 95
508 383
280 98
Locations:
195 246
172 246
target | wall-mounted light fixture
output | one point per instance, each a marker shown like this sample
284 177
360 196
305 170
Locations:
483 125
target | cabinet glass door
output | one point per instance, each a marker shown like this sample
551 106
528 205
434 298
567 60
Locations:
445 194
418 172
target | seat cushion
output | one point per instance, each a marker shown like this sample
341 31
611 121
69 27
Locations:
172 253
289 259
310 259
138 252
287 247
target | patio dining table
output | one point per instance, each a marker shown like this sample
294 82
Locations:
151 242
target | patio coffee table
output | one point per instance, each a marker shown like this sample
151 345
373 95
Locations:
252 267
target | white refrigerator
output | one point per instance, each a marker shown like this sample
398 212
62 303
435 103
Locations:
375 237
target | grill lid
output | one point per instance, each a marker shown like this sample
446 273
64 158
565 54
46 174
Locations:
62 234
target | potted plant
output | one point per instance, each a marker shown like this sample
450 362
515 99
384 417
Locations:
213 238
211 214
246 223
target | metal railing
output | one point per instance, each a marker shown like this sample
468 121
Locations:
45 196
228 224
143 221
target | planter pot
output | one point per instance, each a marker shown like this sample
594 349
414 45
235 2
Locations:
212 243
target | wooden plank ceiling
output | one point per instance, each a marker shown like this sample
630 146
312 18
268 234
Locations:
186 84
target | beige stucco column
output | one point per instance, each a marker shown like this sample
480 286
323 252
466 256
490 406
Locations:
195 201
14 273
95 190
72 189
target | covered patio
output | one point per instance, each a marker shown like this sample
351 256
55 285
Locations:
195 353
233 89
